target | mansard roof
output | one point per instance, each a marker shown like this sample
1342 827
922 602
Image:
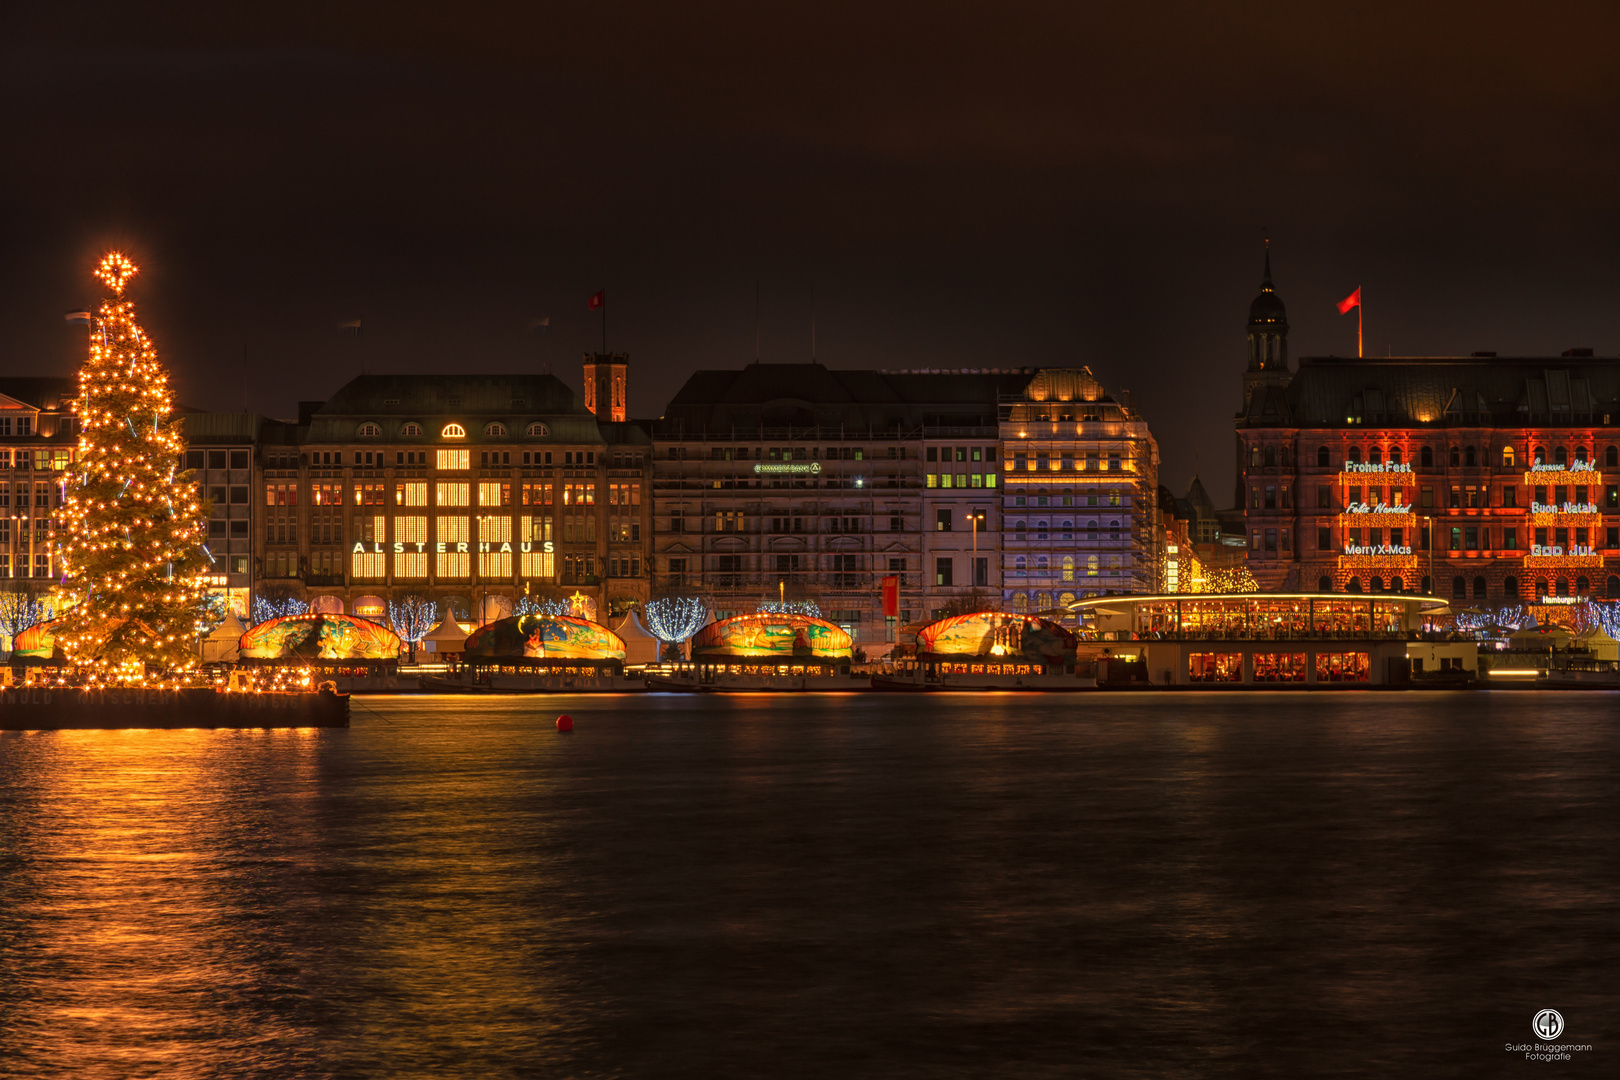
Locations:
474 400
442 394
45 392
812 395
1331 391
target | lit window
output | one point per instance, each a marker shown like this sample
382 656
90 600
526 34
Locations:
370 564
454 431
455 459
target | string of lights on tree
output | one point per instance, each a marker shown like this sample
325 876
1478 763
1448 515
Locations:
132 538
20 609
790 607
267 608
528 605
1601 614
674 619
412 617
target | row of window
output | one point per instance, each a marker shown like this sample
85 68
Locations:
1461 496
45 494
1462 538
19 566
1067 461
959 480
1269 455
411 430
41 531
52 458
1091 498
1481 590
1278 667
452 493
1066 531
1068 566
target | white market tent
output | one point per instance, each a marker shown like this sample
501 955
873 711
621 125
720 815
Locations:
447 637
222 644
640 647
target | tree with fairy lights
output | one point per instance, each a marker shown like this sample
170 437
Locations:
133 532
674 619
412 617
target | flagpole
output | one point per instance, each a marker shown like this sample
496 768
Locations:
604 322
1359 308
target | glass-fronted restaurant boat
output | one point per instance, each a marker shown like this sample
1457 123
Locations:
762 651
1270 640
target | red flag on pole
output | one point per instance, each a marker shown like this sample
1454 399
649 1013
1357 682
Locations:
598 300
1354 301
891 596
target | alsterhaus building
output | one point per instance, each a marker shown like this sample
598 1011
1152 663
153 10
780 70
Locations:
468 490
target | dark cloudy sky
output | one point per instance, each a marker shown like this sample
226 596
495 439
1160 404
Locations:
963 184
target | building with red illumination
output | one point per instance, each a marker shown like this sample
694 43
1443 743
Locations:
1486 478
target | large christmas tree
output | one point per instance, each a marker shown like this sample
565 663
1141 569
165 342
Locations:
133 531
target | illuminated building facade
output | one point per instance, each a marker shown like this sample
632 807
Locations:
1081 484
38 441
470 490
220 451
809 483
1485 478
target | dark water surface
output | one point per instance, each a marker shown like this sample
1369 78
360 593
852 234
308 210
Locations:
820 886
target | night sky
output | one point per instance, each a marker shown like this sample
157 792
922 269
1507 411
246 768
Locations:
960 185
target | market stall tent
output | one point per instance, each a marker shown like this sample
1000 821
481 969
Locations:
447 637
640 647
224 644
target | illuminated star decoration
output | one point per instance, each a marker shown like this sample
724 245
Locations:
116 270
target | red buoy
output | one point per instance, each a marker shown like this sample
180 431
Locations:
565 722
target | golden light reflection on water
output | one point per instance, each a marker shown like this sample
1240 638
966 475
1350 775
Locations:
127 901
996 884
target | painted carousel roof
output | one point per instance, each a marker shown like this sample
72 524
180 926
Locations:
319 637
772 634
38 642
997 633
542 637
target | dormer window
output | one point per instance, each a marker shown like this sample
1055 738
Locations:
538 430
410 429
454 431
369 431
495 430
